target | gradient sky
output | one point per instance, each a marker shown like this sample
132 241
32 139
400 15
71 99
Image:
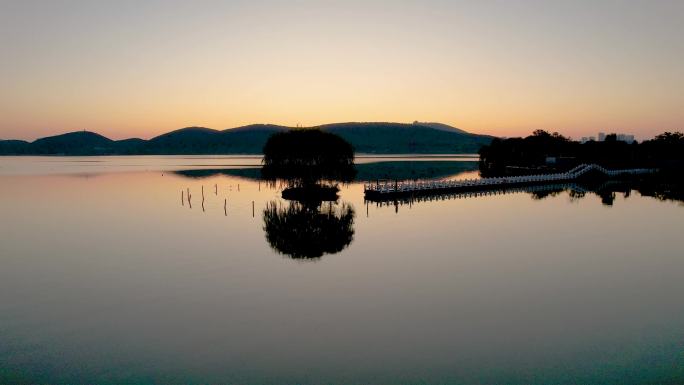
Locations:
139 68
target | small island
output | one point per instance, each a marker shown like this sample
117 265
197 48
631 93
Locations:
310 162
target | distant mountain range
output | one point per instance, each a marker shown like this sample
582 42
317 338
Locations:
371 138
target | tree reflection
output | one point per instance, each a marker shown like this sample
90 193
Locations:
607 197
661 187
542 194
307 230
576 195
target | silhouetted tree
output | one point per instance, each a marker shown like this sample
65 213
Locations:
305 157
664 151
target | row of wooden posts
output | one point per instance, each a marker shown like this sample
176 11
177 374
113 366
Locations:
188 196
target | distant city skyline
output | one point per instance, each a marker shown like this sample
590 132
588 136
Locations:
622 137
142 68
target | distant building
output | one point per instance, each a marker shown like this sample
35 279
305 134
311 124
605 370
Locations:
620 137
625 138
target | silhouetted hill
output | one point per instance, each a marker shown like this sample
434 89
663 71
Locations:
132 146
399 138
373 138
74 143
440 126
190 140
250 139
200 140
14 147
270 128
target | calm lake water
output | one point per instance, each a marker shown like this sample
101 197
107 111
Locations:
110 276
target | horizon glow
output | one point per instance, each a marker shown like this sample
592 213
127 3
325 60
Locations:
142 68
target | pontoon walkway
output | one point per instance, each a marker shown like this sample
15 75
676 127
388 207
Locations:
383 190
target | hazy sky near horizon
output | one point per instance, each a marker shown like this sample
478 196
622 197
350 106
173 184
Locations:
139 68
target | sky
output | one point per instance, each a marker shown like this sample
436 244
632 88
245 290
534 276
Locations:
141 68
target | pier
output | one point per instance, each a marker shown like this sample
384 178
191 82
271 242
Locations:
411 200
386 190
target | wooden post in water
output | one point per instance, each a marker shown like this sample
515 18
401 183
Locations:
182 198
225 206
252 209
216 189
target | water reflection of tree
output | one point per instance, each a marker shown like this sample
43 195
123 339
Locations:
607 197
539 195
308 230
668 187
576 195
659 187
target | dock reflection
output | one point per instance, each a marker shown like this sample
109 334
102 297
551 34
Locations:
661 189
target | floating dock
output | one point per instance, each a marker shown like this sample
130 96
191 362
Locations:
386 190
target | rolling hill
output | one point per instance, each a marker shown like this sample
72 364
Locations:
399 138
370 138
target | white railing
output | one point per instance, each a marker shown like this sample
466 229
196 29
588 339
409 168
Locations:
386 186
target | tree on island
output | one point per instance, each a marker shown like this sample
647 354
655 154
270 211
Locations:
310 162
305 158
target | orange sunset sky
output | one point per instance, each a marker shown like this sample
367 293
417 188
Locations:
141 68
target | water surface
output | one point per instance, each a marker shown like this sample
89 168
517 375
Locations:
109 275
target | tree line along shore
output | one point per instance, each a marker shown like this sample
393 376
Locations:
552 151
